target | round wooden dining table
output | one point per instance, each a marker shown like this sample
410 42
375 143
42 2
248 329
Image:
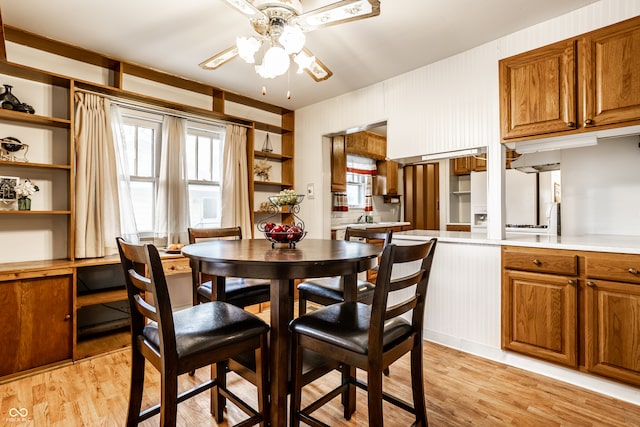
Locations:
255 258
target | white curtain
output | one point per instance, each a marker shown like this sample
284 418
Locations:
128 228
97 214
235 181
172 200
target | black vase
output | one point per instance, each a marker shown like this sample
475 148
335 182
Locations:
8 101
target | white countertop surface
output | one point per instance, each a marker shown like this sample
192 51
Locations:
371 225
593 242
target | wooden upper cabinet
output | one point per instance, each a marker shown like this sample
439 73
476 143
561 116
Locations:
479 163
538 91
611 74
573 86
461 165
338 164
386 180
367 144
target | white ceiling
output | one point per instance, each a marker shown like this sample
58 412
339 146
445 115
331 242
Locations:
175 36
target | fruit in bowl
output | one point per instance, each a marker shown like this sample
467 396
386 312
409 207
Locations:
283 233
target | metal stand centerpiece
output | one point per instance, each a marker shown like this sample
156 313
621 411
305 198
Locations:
283 234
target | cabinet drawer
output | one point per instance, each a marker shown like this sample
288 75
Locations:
616 267
539 261
176 266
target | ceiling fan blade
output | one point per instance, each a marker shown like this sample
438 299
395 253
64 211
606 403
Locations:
245 7
338 13
312 65
220 59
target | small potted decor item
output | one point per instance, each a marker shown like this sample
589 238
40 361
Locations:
262 169
8 101
23 190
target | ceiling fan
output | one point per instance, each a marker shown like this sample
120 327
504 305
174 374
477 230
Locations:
280 26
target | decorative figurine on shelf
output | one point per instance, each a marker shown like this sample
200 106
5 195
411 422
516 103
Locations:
9 146
266 144
8 101
262 169
23 190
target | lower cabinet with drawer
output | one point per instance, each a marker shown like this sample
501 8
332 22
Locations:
575 308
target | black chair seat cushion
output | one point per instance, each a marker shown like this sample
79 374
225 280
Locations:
332 288
236 287
204 327
347 325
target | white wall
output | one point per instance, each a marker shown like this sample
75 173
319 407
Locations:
601 188
452 104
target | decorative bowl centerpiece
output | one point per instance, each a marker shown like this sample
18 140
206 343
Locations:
283 233
292 232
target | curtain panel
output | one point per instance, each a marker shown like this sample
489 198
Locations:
235 181
97 221
172 200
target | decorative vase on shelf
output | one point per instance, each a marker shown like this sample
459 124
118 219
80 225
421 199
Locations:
24 204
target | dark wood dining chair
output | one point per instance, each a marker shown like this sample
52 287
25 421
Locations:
369 337
179 342
330 290
237 291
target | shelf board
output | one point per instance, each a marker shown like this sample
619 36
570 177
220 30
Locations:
34 165
17 116
101 344
101 298
461 193
16 212
271 155
271 184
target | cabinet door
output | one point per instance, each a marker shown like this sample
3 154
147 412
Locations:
36 319
611 74
612 324
537 91
461 165
386 180
479 163
338 164
539 316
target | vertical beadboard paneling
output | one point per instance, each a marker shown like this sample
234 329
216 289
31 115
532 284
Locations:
463 299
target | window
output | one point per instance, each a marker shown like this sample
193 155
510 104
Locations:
204 165
142 140
359 180
204 151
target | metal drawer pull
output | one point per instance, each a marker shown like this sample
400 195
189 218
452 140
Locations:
537 262
633 270
571 282
590 283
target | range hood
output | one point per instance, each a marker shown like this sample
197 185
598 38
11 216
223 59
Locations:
542 161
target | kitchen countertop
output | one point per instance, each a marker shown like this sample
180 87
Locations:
380 224
592 242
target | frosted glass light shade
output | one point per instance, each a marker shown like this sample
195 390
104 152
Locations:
247 48
275 63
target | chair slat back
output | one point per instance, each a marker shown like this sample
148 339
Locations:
203 234
372 236
144 275
394 255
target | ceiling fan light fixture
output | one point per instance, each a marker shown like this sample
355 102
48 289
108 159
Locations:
304 61
247 48
274 63
292 39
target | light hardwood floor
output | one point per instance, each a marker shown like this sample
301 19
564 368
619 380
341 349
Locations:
461 389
